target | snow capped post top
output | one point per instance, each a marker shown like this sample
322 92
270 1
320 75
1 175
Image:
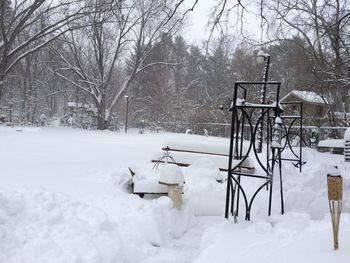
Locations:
333 171
170 175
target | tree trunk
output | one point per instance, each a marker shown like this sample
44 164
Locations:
102 123
2 79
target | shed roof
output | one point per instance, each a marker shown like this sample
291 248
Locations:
305 96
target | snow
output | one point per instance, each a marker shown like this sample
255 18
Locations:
333 171
240 102
278 120
206 195
347 135
306 96
331 143
43 226
149 181
170 174
65 197
290 238
150 185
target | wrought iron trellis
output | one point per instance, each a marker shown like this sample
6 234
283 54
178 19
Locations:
289 122
246 120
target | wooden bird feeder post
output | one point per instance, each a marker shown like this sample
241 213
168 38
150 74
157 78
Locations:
335 194
172 176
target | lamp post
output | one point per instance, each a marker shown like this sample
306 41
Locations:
347 100
127 111
261 58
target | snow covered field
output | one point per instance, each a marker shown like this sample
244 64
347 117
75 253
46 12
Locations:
64 197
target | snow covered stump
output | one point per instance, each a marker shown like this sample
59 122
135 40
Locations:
172 176
335 193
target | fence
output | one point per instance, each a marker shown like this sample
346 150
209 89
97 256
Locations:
312 134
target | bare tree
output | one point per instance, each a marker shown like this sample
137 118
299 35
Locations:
117 31
28 25
324 27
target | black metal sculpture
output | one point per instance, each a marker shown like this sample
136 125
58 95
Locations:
246 120
293 129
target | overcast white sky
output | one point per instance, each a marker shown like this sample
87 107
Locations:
197 21
196 30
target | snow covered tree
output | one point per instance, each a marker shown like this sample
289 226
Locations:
323 26
114 32
46 21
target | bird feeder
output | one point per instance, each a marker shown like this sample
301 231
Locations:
335 194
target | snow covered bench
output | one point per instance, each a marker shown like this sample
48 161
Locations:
152 181
335 146
186 153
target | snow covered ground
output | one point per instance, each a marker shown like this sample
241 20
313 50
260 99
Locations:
64 197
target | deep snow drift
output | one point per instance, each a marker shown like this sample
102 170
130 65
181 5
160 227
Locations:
64 197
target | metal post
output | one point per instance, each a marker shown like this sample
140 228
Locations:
301 137
271 178
263 100
281 182
229 172
126 114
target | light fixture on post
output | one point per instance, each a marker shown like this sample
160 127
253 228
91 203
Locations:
127 98
262 57
277 133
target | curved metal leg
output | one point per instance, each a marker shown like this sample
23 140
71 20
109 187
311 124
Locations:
253 197
243 193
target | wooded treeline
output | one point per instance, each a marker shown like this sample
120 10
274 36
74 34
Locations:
75 61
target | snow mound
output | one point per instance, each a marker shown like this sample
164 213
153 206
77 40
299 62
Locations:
290 238
206 195
46 227
40 227
307 192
